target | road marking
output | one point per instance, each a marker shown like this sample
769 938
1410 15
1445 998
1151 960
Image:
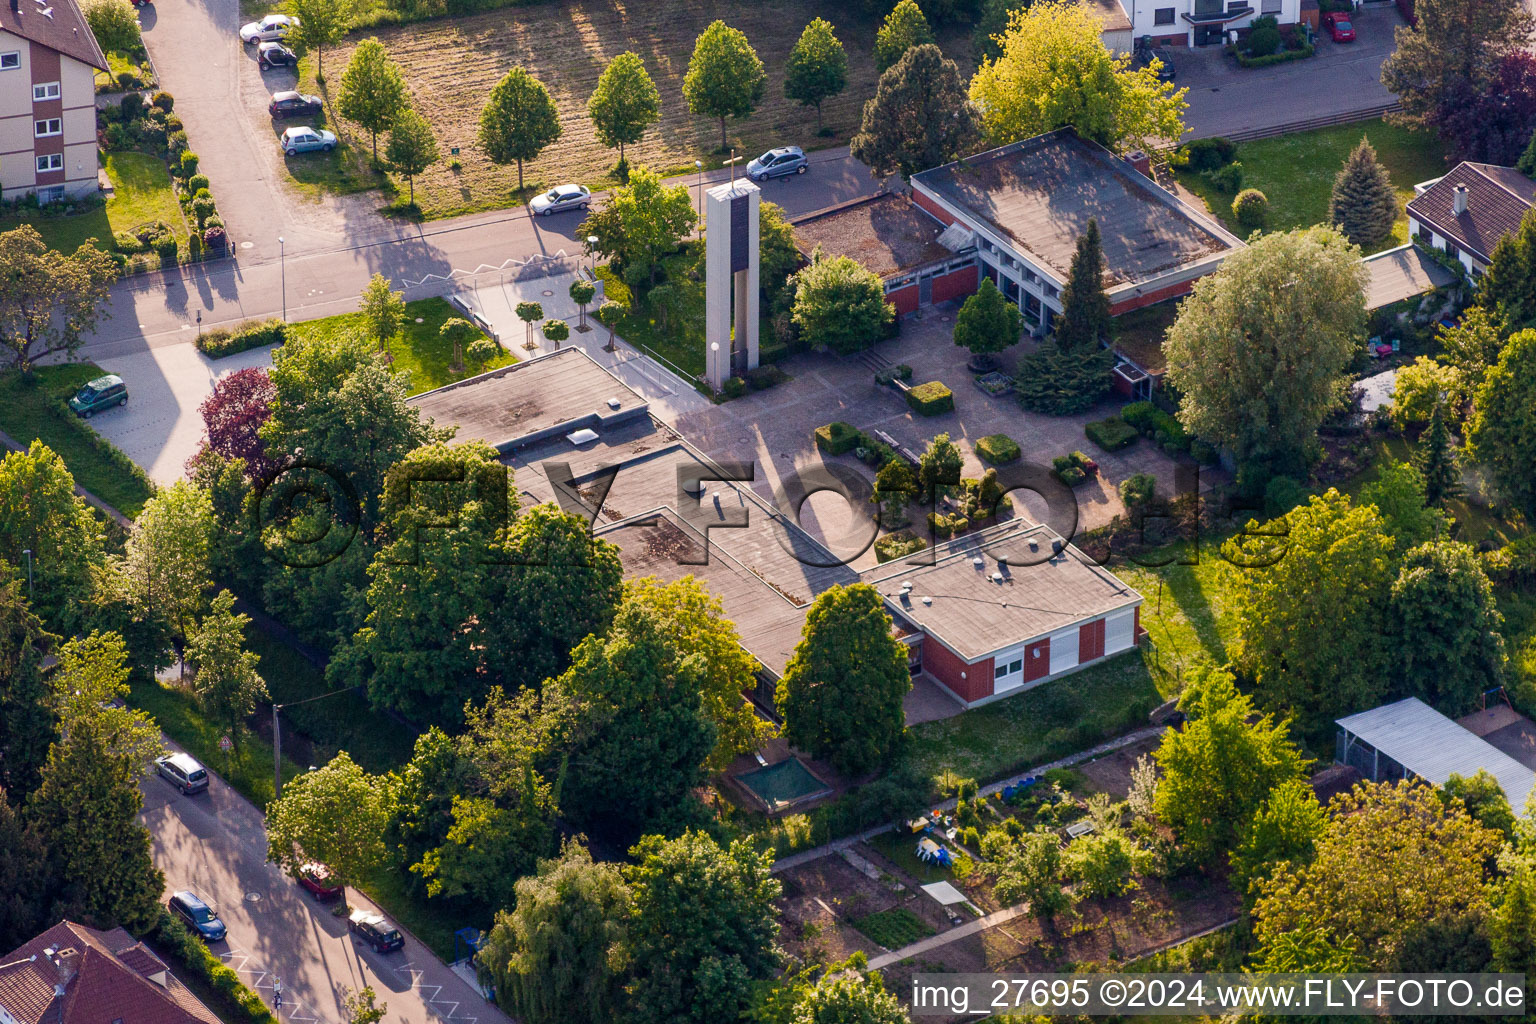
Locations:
430 993
483 268
293 1007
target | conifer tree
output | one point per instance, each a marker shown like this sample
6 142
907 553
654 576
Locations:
1084 306
1436 460
1363 205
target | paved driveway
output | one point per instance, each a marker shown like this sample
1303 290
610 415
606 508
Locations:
1343 77
215 844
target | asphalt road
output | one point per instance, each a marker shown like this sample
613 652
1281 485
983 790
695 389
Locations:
215 844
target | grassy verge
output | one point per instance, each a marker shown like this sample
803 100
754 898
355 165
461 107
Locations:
1190 611
141 193
682 340
432 922
31 410
893 928
1296 172
419 350
1039 725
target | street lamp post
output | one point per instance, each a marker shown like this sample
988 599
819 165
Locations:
592 252
282 257
698 165
31 591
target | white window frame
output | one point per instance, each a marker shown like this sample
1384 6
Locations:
47 127
45 91
46 162
10 60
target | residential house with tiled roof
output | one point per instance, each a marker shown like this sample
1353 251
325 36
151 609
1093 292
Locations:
1465 213
48 64
72 974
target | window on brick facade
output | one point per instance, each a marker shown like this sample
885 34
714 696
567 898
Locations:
50 162
45 91
48 126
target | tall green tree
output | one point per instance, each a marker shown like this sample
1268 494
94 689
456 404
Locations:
166 560
40 513
1284 830
383 310
373 92
725 77
1031 872
991 27
1309 612
1473 345
491 844
457 332
1364 203
227 681
1220 768
114 23
849 996
26 713
335 815
702 930
1402 497
842 691
938 468
1512 928
49 300
624 104
988 322
557 956
1501 433
26 886
1054 70
1450 56
778 255
1261 350
321 23
519 121
411 148
1448 626
817 68
1085 319
421 798
86 806
1481 796
918 118
641 222
1507 289
1435 459
841 304
903 28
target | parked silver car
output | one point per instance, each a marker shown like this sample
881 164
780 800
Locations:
305 139
778 162
561 198
268 29
183 772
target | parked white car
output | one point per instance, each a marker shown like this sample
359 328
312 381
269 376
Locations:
561 198
268 29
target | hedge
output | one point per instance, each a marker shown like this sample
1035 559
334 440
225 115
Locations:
898 545
931 399
998 449
1304 51
239 1005
901 371
1111 434
226 341
1156 424
837 438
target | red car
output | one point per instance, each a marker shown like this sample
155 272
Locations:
1338 26
319 882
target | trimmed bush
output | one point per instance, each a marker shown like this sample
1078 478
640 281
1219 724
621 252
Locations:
734 387
164 100
1154 423
214 236
997 449
1111 434
898 545
225 341
901 371
197 183
126 241
1209 154
944 526
931 399
1139 490
1250 208
165 248
837 438
1228 178
1263 41
765 377
188 163
131 105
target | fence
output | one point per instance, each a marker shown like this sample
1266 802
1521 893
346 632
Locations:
1347 117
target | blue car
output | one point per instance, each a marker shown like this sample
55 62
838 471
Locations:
778 162
197 915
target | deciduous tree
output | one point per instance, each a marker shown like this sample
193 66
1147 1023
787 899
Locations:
114 23
1507 289
1419 387
918 118
1261 349
49 300
529 313
842 691
1473 345
1364 203
26 712
641 222
40 513
519 121
1221 767
624 104
166 559
1512 928
373 92
1054 71
233 414
1401 496
725 77
1501 433
226 680
1496 125
1451 55
335 815
841 304
411 148
557 956
556 331
1031 872
491 844
1449 648
609 314
1481 796
456 331
987 322
1284 830
383 310
321 23
817 68
904 27
581 293
849 996
1085 319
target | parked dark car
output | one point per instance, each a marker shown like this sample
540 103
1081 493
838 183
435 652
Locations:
101 393
375 930
1144 55
197 915
318 881
183 772
273 55
293 104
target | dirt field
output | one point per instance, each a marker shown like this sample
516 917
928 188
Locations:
1112 773
820 899
451 65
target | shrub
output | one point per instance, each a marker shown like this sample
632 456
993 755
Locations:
1514 564
1156 424
1250 208
1139 490
837 438
998 449
765 377
1204 452
734 387
176 143
1111 434
1263 41
131 105
188 163
214 237
898 545
241 1005
901 371
152 135
164 100
117 138
173 123
126 241
1282 494
1070 475
1209 154
931 399
1228 178
945 526
165 248
202 208
226 341
196 183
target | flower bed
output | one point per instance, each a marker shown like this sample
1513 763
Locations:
996 383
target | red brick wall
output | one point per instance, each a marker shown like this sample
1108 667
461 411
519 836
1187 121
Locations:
904 299
945 666
957 283
1090 641
1037 667
1161 295
932 207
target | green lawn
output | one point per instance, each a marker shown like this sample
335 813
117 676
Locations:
142 193
1477 523
1189 611
893 928
418 350
1296 172
899 846
1039 725
31 410
682 342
